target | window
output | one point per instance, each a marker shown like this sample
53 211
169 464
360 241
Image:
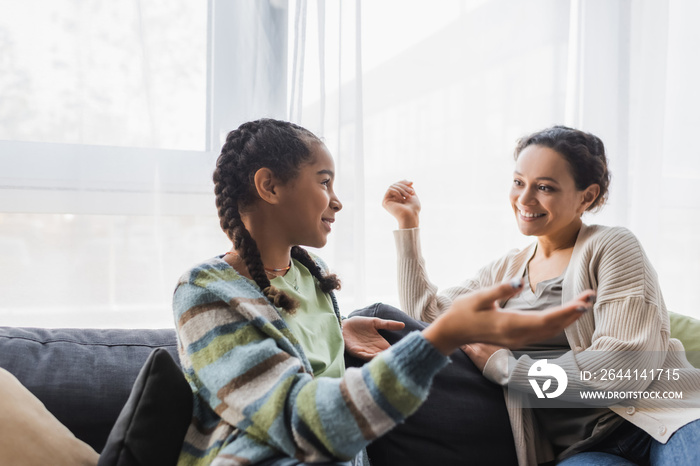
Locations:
105 73
104 167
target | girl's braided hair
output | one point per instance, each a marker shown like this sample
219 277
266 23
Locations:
281 147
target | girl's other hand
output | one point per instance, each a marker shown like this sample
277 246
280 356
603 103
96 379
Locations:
362 338
401 201
476 318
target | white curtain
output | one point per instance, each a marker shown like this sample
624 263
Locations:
326 96
438 93
637 70
96 225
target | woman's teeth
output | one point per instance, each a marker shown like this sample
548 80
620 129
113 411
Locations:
530 215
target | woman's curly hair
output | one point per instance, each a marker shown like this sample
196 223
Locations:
281 147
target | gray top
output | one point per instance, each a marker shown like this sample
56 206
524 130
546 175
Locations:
547 294
568 429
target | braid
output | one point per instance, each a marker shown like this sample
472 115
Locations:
249 252
327 283
233 175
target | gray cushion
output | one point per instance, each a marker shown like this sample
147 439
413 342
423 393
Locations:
83 376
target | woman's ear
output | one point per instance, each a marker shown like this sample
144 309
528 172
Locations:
266 185
590 194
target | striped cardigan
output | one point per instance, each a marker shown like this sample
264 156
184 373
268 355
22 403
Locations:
629 319
255 396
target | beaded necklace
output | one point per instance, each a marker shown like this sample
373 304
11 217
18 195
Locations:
270 271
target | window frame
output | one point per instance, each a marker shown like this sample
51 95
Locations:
37 177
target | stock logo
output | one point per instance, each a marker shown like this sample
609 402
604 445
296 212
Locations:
551 371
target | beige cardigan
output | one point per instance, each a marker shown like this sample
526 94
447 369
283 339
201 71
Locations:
629 315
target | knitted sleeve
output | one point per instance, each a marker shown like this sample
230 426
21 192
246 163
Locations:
244 363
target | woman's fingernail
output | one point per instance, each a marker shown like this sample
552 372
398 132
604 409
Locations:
590 298
516 283
582 309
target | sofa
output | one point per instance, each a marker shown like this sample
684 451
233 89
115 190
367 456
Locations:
121 392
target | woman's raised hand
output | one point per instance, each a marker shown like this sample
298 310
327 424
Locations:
401 201
476 317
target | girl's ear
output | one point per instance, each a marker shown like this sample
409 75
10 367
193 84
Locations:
266 185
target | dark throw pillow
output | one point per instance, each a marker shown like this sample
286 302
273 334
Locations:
152 425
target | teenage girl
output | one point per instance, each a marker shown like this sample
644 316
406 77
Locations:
260 336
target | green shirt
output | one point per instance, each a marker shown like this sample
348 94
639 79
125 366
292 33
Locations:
314 323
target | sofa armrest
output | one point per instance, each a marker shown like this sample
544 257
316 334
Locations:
687 330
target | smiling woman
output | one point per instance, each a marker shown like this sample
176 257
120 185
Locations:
544 195
560 173
554 183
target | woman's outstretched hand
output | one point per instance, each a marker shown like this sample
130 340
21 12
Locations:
401 201
476 317
362 339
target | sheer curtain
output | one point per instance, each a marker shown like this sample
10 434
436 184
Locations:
637 67
439 94
105 192
326 96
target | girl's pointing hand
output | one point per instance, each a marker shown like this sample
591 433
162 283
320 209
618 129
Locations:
477 318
